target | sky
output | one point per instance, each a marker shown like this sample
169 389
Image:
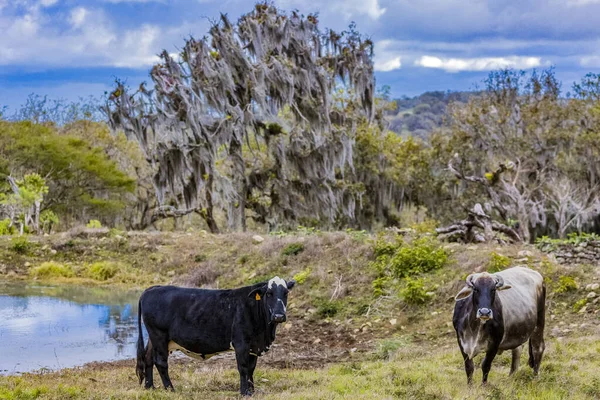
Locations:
76 48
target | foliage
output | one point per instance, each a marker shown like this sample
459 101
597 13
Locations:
379 285
94 224
414 292
308 90
103 270
6 227
302 276
497 263
566 284
48 219
52 270
20 244
422 254
293 249
579 304
328 308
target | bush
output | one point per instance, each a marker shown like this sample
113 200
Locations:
302 276
52 270
414 292
293 249
379 285
423 254
5 228
103 270
20 245
497 263
579 305
566 284
328 308
94 224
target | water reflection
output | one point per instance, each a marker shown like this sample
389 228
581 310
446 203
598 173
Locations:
58 326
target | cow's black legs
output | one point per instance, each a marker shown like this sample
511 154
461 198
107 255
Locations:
243 363
469 367
486 365
161 356
251 367
149 361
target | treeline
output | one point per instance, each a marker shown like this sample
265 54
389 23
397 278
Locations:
419 116
270 123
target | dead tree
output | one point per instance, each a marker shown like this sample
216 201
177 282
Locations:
465 231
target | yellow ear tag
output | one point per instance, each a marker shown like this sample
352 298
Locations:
257 296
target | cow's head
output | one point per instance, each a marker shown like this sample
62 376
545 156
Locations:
482 289
275 295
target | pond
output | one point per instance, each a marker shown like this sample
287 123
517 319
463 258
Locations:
52 327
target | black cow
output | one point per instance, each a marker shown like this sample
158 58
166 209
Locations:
204 322
497 312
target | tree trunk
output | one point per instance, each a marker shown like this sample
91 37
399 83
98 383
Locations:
208 214
237 209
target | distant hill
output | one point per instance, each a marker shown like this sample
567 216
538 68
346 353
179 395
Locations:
419 115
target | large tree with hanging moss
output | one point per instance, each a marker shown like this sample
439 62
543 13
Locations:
257 116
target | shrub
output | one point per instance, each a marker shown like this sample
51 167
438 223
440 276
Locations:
423 254
387 347
94 224
103 270
427 226
414 292
293 249
52 270
5 228
302 276
200 258
579 305
328 308
48 219
566 284
20 244
379 285
497 263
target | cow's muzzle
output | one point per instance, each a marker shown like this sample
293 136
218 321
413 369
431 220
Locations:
279 318
485 314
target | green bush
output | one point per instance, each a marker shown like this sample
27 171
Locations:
20 244
579 305
379 285
293 249
566 284
423 254
414 292
302 276
497 263
327 308
52 270
102 271
5 228
94 224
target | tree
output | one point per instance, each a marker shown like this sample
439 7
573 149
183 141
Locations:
266 82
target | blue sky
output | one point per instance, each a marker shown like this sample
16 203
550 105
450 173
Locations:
72 48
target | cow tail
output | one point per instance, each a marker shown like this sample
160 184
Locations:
140 368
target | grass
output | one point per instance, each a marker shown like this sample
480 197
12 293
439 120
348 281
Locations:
414 371
416 357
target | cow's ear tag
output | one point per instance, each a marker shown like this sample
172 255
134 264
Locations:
257 296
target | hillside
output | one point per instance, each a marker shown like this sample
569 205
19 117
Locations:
354 330
419 115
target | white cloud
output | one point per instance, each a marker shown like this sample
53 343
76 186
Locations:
590 61
350 9
478 64
78 16
582 3
389 65
386 59
48 3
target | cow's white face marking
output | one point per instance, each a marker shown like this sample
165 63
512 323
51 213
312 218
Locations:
276 281
282 304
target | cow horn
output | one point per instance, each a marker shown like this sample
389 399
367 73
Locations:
499 281
470 279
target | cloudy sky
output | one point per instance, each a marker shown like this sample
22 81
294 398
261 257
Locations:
72 48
